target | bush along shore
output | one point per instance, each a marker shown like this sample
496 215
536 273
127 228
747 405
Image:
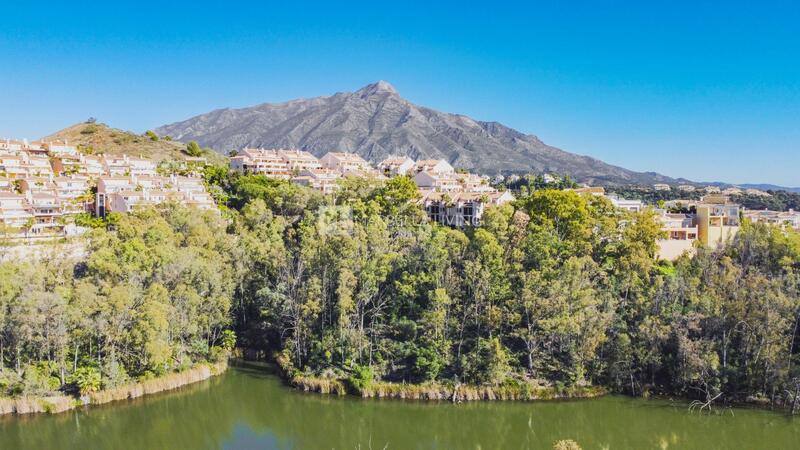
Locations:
60 403
361 384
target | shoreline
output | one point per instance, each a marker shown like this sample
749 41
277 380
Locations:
56 404
434 391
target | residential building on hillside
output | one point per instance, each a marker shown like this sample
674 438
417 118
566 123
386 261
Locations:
757 193
790 219
323 180
346 163
438 181
681 234
13 211
273 163
8 146
125 165
83 165
46 209
662 187
261 162
60 149
628 205
460 209
397 165
732 191
299 160
434 166
474 183
24 164
126 193
717 220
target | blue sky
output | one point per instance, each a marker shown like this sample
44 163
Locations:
694 89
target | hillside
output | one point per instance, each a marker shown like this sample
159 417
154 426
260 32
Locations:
100 138
375 121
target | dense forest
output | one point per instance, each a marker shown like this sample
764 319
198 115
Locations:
153 296
556 289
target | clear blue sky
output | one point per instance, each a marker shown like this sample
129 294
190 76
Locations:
707 91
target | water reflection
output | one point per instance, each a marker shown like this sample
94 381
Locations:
247 409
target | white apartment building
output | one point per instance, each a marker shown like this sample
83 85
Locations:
434 166
261 162
347 164
13 210
628 205
460 209
323 180
397 165
125 165
123 194
438 181
681 234
790 219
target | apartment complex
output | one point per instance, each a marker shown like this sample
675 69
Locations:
460 209
121 194
397 165
302 167
44 183
716 221
348 164
323 180
784 219
275 163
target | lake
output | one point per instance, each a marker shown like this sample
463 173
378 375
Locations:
250 409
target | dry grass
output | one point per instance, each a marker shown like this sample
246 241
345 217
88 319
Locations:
102 138
28 405
461 393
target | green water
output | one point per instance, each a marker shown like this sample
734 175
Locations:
247 409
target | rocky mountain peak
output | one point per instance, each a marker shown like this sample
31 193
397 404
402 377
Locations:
375 122
377 88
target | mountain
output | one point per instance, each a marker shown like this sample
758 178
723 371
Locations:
769 187
99 137
375 122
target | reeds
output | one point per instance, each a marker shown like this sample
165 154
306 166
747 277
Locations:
61 403
27 405
461 392
160 384
513 390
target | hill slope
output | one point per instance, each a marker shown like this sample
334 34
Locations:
376 121
100 138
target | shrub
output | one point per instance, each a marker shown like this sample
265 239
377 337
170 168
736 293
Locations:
113 374
86 379
152 135
361 378
39 379
193 149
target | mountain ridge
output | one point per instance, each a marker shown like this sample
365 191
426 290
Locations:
375 121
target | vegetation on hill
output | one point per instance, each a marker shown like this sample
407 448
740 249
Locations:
775 200
153 297
95 138
360 292
557 290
